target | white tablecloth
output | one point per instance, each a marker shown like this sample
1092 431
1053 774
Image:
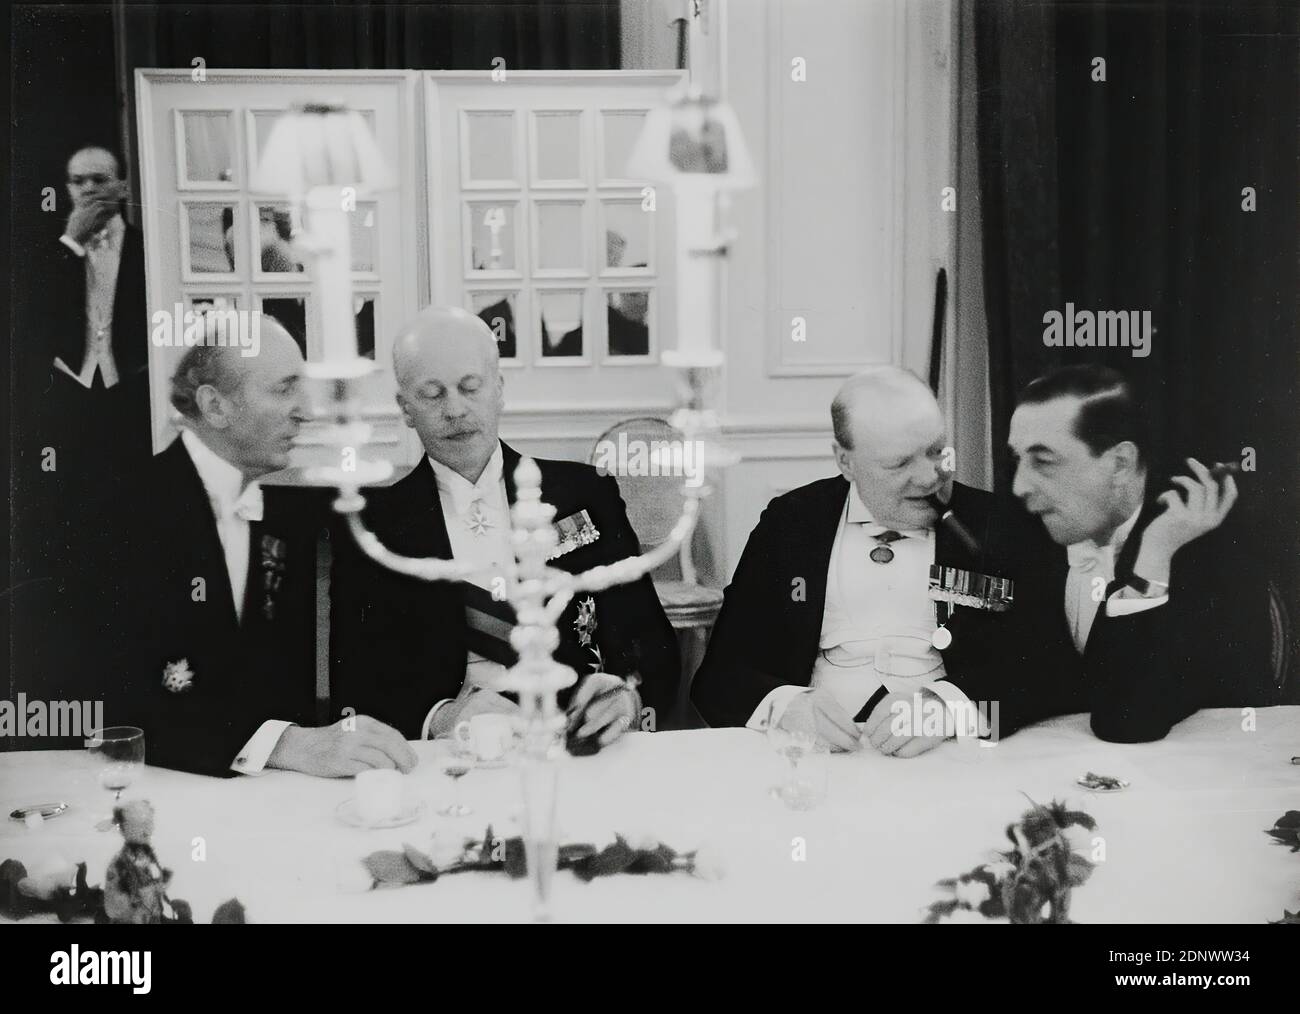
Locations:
1184 843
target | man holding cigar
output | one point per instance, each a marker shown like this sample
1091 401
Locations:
422 656
1152 611
831 625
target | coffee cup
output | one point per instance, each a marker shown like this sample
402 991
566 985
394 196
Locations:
486 737
379 794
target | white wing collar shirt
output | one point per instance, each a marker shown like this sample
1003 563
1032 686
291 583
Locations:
1092 568
234 506
877 623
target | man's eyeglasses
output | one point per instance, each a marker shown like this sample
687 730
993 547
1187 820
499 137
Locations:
99 179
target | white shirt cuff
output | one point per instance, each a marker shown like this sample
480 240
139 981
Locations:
428 719
968 721
776 702
257 751
72 245
1120 604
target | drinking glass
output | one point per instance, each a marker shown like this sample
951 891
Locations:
456 765
119 753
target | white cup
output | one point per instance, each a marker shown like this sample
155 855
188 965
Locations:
486 737
379 794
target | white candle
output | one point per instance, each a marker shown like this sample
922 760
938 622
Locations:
328 232
697 272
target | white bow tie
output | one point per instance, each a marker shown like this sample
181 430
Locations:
1086 556
248 507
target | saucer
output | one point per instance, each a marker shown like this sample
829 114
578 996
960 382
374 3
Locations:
346 811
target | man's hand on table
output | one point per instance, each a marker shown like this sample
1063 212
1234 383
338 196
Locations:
905 709
818 713
471 701
342 749
603 704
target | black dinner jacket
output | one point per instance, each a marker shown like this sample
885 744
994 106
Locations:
1141 674
769 630
245 672
398 643
65 303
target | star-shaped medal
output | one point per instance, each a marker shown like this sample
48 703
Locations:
478 522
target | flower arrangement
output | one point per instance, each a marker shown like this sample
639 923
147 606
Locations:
1031 883
491 854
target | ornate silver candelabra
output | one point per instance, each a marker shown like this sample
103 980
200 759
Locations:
537 591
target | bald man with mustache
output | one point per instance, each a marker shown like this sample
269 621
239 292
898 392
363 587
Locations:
423 656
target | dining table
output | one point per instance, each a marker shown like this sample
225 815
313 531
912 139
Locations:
1183 842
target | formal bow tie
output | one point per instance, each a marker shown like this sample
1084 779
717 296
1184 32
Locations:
248 507
1087 556
97 241
875 528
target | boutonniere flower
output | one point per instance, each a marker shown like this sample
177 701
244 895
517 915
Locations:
275 555
178 676
585 625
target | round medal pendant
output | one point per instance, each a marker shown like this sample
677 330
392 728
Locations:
882 554
941 638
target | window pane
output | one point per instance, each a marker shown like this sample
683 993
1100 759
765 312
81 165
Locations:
559 237
365 311
620 132
491 146
274 240
492 231
627 320
212 231
209 147
497 311
559 146
561 324
627 235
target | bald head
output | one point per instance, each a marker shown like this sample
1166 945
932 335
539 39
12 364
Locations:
889 442
96 158
440 333
873 397
449 386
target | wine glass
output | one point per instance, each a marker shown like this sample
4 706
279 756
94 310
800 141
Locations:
804 785
119 752
456 765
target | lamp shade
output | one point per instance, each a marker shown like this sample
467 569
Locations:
693 140
320 144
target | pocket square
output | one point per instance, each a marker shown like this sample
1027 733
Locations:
575 531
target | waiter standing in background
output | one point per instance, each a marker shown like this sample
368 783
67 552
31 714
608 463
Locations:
83 342
95 410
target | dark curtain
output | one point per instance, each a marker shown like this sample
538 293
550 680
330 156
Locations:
1127 194
293 35
528 34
